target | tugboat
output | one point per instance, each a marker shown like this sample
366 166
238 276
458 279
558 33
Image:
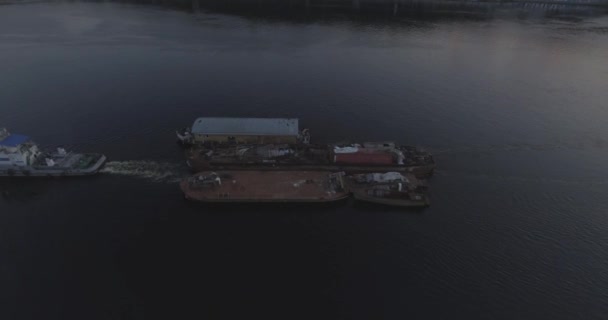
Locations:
390 188
265 186
20 157
351 158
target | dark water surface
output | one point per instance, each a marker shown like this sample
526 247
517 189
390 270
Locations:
515 111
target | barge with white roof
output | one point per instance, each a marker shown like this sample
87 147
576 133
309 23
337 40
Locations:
212 131
21 157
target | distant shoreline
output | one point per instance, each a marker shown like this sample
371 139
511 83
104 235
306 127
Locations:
386 8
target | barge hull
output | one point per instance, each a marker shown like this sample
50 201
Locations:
419 171
286 200
392 202
264 187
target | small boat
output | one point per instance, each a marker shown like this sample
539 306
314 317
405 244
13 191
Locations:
229 131
265 186
21 157
351 158
390 188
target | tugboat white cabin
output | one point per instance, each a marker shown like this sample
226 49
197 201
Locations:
21 157
16 150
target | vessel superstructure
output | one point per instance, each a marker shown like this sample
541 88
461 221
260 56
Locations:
21 157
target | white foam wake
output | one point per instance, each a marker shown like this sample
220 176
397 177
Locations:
152 170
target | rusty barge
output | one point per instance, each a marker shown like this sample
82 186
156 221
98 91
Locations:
350 158
390 188
265 186
250 186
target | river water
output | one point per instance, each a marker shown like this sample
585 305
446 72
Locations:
515 111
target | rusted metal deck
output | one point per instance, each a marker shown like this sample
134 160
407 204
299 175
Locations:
264 186
307 158
409 192
421 172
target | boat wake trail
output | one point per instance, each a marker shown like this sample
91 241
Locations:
151 170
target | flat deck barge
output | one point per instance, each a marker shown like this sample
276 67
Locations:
265 186
360 158
390 189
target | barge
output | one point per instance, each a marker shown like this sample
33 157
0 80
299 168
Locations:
21 157
390 188
251 186
265 186
212 131
350 158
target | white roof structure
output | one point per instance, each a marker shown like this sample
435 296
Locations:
246 126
